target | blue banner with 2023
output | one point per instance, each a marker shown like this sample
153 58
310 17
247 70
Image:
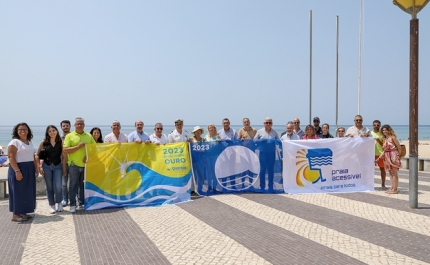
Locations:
237 166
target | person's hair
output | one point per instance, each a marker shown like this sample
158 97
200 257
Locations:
290 122
313 129
243 119
377 121
115 121
100 140
140 121
15 131
158 124
337 130
225 119
47 139
358 115
389 129
79 118
211 124
64 121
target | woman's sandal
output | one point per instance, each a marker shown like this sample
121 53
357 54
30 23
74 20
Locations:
26 216
392 192
19 220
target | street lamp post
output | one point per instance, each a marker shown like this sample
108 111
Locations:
412 7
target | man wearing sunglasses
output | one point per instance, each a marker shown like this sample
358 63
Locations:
358 130
158 137
318 129
267 153
297 130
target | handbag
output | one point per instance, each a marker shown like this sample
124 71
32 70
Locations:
402 151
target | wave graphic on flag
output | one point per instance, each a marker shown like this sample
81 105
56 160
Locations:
154 189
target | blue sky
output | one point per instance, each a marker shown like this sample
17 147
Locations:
205 60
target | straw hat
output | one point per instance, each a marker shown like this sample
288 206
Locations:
198 128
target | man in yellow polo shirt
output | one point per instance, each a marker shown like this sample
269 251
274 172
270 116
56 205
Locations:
74 147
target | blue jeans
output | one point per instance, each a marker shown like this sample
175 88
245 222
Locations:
76 175
53 179
66 185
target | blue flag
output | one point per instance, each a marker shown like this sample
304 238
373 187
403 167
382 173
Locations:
237 166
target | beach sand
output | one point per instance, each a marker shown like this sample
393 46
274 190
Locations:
423 148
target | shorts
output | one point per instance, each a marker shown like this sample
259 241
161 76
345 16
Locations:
380 162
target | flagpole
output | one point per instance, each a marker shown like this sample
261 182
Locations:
360 33
310 67
337 70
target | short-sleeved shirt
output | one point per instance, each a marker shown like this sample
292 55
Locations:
24 152
354 131
378 146
294 136
300 133
154 139
73 139
318 131
132 137
231 134
111 138
246 134
176 137
262 133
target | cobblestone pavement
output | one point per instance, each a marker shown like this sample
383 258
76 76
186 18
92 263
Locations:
348 228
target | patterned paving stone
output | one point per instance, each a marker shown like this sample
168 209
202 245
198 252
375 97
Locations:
57 234
112 237
13 237
269 241
407 243
343 243
184 239
400 219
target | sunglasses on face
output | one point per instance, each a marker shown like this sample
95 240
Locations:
358 120
268 122
296 122
159 129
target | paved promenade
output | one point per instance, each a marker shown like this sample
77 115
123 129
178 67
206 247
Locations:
355 228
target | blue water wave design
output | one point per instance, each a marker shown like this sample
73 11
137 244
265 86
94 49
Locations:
155 189
320 161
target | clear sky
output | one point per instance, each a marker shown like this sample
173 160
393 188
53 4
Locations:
205 60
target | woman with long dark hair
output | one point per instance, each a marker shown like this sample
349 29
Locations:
22 173
97 134
52 165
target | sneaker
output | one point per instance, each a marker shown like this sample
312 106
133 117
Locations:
59 207
81 207
64 203
52 210
72 209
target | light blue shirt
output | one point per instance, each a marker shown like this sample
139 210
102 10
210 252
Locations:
294 136
263 134
231 134
132 137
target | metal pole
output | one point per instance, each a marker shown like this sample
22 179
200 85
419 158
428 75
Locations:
413 114
337 69
310 67
359 54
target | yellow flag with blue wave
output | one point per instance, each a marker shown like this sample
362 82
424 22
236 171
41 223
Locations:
133 174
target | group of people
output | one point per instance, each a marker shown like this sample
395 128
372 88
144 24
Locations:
61 159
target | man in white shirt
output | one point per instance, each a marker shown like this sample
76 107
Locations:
158 137
116 136
290 134
267 153
178 135
358 130
138 136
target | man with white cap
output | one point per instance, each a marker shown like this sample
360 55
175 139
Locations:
178 135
